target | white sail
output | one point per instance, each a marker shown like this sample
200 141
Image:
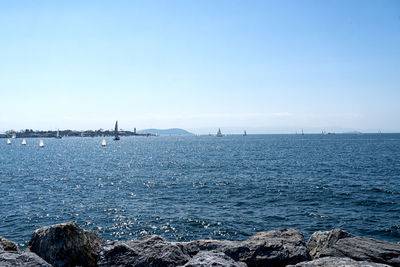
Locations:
58 136
103 143
23 142
41 144
8 142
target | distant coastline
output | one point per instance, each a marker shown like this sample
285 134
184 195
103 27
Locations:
29 133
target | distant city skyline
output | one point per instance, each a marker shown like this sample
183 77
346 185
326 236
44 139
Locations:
260 66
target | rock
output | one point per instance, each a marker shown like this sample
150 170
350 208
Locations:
7 245
213 259
318 240
337 262
339 243
65 244
17 259
148 251
272 248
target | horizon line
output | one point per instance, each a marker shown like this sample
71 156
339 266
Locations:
226 133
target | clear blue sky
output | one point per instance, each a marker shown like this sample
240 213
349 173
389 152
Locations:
264 66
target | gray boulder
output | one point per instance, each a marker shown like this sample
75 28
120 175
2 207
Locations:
7 245
339 243
17 259
337 262
148 251
271 248
65 244
213 259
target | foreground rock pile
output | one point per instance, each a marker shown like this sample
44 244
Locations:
10 256
68 245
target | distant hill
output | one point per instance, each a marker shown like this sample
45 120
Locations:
173 131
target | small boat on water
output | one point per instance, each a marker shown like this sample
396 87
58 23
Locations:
8 142
14 136
219 134
41 144
103 143
245 134
23 142
116 137
58 136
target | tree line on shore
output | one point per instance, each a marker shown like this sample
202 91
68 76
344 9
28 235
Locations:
29 133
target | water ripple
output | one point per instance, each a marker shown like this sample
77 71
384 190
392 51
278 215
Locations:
187 188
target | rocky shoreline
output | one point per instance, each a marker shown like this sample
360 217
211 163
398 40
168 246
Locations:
67 245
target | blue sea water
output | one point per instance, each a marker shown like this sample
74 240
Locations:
186 188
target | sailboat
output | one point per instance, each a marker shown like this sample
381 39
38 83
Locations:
41 144
103 143
219 134
116 137
23 142
58 136
14 136
302 133
245 134
8 142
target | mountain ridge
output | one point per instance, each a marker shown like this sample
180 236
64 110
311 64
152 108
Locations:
171 131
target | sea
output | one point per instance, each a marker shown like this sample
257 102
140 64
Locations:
201 187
